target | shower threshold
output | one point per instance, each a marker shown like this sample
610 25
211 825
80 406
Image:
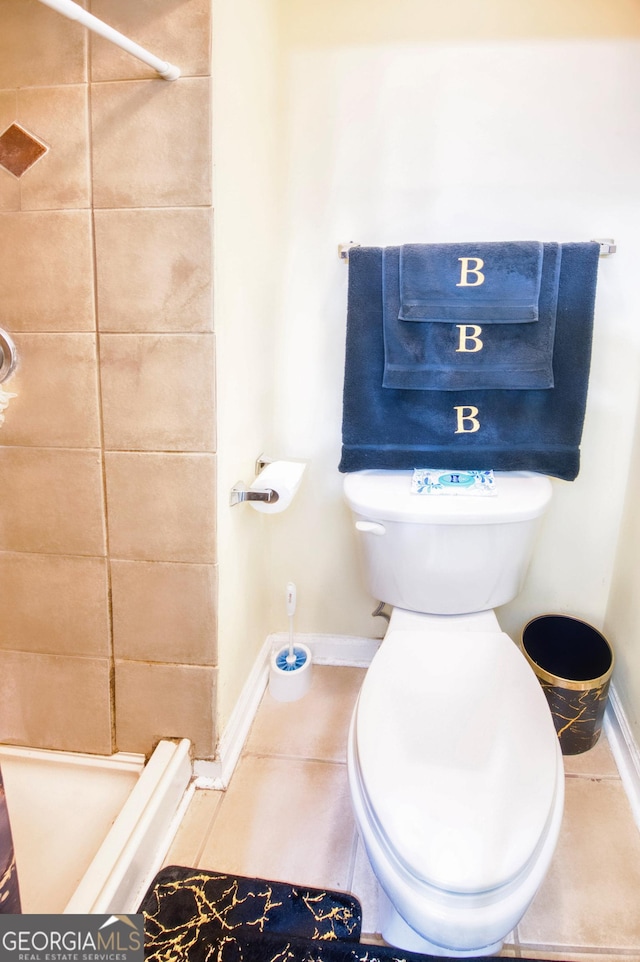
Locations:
91 831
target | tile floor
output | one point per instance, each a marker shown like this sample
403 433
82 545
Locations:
286 815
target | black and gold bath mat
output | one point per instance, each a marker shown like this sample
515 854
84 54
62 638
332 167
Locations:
198 916
189 915
248 947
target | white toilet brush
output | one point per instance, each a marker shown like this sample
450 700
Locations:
290 669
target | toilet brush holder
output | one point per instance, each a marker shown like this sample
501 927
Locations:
290 673
290 667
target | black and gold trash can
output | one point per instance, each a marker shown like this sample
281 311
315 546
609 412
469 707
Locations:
573 663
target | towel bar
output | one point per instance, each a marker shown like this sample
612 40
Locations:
607 246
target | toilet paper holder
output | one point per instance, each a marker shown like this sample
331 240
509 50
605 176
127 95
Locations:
240 492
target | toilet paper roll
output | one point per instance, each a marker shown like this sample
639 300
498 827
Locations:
284 478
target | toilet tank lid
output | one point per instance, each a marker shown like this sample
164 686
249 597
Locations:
387 496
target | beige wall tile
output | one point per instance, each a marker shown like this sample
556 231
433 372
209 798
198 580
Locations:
57 116
151 143
9 185
50 701
39 46
157 392
307 800
57 392
147 143
58 605
46 273
9 190
164 701
164 612
161 506
179 33
51 501
154 270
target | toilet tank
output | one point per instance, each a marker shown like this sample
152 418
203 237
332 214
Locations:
445 554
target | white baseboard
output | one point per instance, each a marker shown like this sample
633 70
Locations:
344 650
625 750
351 651
217 773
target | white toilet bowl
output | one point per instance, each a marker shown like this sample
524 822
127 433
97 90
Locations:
457 782
455 767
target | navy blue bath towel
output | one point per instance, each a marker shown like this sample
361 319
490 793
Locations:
506 430
494 282
430 355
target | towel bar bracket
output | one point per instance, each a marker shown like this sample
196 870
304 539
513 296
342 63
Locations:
261 462
343 250
607 245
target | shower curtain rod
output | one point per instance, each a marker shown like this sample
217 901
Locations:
73 11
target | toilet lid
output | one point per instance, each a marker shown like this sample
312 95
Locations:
457 755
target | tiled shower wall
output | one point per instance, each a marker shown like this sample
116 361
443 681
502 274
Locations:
107 453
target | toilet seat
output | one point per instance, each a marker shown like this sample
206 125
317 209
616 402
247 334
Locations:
457 757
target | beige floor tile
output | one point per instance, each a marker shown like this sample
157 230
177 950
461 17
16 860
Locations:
285 819
190 838
591 895
551 954
598 762
365 888
316 730
586 911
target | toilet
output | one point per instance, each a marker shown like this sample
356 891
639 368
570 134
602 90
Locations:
455 769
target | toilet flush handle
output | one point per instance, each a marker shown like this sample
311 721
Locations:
370 527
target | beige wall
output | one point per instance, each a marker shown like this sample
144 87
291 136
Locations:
248 272
424 121
108 572
622 623
404 129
